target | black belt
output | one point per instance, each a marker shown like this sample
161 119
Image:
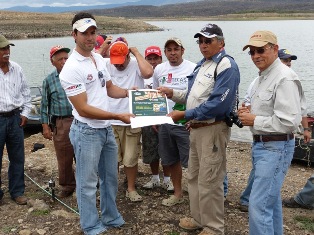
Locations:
9 114
62 117
267 138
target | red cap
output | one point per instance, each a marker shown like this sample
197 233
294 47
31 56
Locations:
55 49
152 50
118 52
99 41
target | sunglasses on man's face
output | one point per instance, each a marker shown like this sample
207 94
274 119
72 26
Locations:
207 41
260 51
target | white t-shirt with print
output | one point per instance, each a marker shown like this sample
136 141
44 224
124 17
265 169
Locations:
172 76
126 79
79 75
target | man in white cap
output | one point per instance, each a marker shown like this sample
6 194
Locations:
87 84
210 99
273 116
15 106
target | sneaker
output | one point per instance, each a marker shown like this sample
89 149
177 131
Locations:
168 186
153 183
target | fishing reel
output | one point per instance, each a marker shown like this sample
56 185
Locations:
52 185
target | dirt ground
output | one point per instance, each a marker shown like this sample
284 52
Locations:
43 215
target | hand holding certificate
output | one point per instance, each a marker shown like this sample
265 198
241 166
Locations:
149 108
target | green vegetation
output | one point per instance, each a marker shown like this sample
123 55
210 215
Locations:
40 212
8 229
306 222
173 233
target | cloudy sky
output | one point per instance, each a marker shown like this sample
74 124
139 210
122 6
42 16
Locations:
60 3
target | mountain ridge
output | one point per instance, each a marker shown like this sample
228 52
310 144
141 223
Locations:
49 9
208 8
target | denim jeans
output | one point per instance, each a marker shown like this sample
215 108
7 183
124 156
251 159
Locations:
271 161
96 155
12 135
306 195
226 185
245 195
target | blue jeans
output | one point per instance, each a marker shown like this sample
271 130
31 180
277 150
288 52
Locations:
271 161
306 195
245 195
96 155
226 185
12 135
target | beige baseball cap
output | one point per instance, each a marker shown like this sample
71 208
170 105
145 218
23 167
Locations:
175 40
261 38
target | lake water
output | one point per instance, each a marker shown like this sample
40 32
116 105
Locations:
295 35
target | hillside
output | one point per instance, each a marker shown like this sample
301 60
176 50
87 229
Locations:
16 25
210 8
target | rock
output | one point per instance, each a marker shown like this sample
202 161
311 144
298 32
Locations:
41 231
25 232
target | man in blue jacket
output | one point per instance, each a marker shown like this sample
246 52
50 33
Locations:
210 98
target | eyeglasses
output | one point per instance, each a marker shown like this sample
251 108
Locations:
260 50
207 41
101 77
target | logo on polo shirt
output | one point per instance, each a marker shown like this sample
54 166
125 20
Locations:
89 77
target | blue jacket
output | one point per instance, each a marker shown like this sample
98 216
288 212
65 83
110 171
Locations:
222 99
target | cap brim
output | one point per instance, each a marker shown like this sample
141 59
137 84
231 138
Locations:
62 49
255 44
6 44
202 34
287 56
83 28
294 57
169 41
117 59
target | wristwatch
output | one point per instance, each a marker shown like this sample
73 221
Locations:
307 129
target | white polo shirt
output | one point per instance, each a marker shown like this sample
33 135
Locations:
79 75
174 77
126 79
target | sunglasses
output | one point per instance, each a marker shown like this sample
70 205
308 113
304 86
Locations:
207 41
260 50
101 77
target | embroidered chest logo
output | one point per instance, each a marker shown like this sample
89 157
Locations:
89 77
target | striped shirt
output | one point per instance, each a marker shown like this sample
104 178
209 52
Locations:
54 101
14 91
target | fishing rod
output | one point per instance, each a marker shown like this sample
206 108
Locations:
51 185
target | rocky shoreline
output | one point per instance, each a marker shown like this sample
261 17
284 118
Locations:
45 216
21 25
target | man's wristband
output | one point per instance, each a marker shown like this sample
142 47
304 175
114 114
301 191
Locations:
307 129
126 93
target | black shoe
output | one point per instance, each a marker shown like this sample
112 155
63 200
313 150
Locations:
291 203
244 208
